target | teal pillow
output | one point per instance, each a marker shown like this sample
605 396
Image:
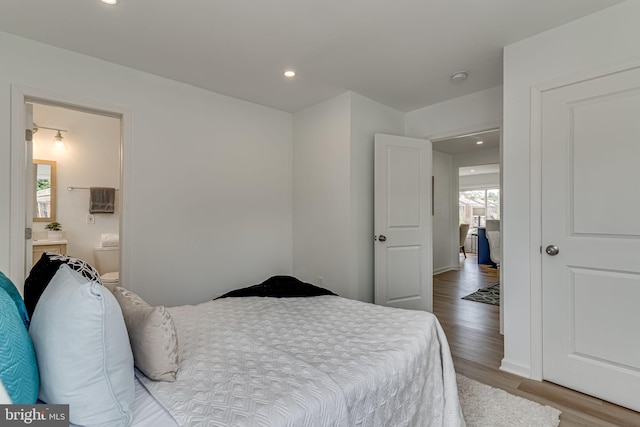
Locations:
18 365
7 285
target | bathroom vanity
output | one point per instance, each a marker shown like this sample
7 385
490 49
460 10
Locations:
52 246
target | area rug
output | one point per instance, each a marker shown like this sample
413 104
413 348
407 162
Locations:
488 295
486 406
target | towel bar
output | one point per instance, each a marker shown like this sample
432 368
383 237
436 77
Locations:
82 188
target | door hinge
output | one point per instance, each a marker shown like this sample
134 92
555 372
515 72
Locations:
28 135
28 233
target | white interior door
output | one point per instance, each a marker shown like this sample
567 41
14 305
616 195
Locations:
403 254
590 206
29 189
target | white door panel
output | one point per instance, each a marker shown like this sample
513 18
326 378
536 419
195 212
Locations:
403 257
590 155
599 164
404 263
595 339
403 187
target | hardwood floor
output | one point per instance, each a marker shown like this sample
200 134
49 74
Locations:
473 331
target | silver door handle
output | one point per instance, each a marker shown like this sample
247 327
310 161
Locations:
382 238
552 250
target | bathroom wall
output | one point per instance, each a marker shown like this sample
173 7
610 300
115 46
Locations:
91 158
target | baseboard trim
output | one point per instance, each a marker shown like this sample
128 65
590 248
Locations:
445 269
515 368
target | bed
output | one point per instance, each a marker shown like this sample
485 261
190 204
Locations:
323 360
297 361
147 411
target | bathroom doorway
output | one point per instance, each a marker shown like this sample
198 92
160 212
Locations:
84 142
85 149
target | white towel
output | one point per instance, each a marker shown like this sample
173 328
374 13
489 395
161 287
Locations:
109 240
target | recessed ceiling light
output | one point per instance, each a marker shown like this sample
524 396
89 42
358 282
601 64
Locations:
459 76
109 1
479 142
289 73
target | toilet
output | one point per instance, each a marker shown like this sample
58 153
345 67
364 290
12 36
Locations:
107 262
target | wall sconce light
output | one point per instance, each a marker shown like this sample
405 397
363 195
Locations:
58 140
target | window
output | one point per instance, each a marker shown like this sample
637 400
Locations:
476 206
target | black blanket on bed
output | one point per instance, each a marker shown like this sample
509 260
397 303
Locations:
279 287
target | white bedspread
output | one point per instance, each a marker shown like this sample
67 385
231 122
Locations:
321 361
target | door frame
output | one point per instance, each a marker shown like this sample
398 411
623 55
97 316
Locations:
23 94
535 156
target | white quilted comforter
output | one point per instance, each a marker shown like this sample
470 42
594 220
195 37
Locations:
321 361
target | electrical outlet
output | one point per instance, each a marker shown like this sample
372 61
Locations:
91 219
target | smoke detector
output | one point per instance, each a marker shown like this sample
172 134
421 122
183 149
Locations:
459 76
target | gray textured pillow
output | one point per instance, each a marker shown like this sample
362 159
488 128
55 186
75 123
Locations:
152 334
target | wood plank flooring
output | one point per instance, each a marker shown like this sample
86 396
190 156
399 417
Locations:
473 331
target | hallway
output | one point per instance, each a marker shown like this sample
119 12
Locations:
472 328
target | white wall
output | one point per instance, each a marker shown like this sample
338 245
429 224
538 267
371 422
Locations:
321 194
599 40
333 191
210 178
477 111
443 218
91 158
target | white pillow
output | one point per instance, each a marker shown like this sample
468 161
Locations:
4 396
152 334
494 245
83 351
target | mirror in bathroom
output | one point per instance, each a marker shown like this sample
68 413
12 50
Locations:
44 179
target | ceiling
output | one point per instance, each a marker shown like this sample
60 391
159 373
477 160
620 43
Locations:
398 52
468 143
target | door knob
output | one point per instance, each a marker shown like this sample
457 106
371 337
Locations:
552 250
382 238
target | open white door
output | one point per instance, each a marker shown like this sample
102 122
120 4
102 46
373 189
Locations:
403 252
591 236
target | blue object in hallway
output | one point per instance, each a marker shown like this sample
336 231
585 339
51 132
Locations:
484 256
